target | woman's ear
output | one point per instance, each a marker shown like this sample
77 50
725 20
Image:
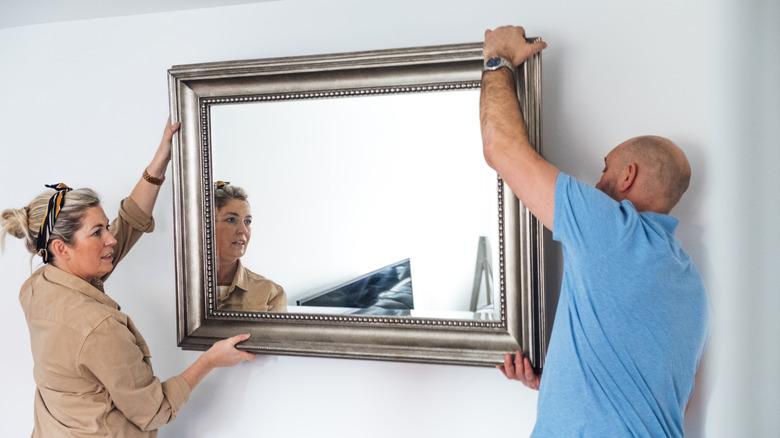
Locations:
59 249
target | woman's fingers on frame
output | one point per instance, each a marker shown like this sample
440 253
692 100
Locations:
238 338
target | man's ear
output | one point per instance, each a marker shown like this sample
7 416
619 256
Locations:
59 249
627 178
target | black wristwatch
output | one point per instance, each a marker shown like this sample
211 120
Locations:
496 63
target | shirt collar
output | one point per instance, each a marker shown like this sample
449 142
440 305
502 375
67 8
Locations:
70 281
668 223
241 279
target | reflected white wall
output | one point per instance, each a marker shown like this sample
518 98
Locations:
342 187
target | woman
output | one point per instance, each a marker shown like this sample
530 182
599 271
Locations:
92 371
238 287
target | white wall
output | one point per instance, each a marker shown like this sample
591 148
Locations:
83 102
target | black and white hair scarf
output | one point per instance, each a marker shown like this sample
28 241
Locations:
52 212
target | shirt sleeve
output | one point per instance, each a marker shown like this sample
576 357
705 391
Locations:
278 301
128 227
586 220
110 354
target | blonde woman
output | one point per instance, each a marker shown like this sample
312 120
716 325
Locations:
238 287
92 370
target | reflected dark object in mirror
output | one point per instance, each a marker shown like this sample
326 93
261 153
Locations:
386 291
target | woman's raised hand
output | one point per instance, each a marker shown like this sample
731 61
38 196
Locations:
164 151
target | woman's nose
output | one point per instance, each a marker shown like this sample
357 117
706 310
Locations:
110 240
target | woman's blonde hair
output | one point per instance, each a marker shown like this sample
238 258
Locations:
224 192
25 223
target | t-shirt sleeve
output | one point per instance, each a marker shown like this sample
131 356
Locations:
587 220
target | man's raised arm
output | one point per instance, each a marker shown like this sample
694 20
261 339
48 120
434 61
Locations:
504 135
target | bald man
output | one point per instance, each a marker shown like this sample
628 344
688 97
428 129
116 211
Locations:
632 315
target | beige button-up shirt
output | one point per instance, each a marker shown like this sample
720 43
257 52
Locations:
92 367
251 292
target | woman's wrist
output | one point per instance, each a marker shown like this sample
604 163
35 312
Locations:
158 166
206 361
197 371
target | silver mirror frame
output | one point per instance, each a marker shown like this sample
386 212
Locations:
194 88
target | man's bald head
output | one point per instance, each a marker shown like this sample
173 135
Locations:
661 173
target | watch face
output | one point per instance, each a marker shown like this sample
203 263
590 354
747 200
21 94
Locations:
493 62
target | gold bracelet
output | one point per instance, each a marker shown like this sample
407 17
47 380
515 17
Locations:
152 180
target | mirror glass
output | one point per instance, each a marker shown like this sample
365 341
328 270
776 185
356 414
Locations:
370 205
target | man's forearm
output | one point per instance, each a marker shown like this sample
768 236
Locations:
508 150
501 119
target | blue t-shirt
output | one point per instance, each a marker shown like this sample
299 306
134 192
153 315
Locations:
630 326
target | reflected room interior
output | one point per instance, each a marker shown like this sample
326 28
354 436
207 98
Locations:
341 197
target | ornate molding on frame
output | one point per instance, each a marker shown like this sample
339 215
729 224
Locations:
205 118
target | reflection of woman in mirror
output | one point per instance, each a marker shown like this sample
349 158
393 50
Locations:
238 287
93 373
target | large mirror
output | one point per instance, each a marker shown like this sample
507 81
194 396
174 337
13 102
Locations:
371 205
339 205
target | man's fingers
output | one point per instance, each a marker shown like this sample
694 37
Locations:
506 27
537 46
519 366
529 371
509 367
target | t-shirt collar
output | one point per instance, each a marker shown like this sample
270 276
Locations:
667 222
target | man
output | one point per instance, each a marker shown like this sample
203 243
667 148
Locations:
631 320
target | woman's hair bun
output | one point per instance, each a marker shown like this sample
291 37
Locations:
14 222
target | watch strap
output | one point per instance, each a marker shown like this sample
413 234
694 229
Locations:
498 62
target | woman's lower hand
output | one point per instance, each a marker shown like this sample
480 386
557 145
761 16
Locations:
225 354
